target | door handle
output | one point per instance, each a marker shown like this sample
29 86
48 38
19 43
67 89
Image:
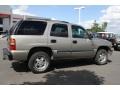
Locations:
74 41
53 41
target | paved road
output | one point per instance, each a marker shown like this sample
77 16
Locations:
77 72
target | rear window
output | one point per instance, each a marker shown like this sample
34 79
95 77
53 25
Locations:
13 28
32 28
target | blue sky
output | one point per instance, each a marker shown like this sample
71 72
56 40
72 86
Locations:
100 13
67 12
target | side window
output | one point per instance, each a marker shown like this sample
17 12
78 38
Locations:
32 28
59 30
78 32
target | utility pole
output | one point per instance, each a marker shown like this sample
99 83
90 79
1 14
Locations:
79 9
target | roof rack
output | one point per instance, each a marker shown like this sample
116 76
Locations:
37 18
65 21
61 21
41 18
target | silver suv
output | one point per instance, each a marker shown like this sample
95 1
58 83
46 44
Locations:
40 41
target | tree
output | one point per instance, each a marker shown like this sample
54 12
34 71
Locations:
97 27
104 25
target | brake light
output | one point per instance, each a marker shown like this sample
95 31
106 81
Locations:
12 44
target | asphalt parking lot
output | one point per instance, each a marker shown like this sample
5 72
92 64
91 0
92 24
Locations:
64 72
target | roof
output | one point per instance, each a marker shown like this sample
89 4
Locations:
48 19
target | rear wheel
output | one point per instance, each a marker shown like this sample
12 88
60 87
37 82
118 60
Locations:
39 62
101 57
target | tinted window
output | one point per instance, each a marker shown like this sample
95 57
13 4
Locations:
13 28
59 30
1 21
78 32
32 28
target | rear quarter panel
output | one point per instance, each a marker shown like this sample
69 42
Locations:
25 42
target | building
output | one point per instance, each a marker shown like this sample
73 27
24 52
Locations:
7 18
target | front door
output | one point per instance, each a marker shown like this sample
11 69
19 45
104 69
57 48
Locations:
82 46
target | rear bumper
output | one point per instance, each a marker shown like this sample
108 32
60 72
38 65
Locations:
17 55
7 55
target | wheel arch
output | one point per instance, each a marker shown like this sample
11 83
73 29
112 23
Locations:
104 47
48 50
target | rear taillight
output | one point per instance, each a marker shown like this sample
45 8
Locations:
12 44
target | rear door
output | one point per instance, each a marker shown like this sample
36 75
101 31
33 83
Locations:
59 40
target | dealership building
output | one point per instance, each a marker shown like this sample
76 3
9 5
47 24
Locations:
7 18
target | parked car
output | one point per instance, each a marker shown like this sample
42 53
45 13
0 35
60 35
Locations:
110 36
107 35
117 44
40 41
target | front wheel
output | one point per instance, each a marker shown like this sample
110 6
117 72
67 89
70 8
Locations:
39 62
101 57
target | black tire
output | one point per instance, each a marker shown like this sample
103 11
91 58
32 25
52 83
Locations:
39 62
101 57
